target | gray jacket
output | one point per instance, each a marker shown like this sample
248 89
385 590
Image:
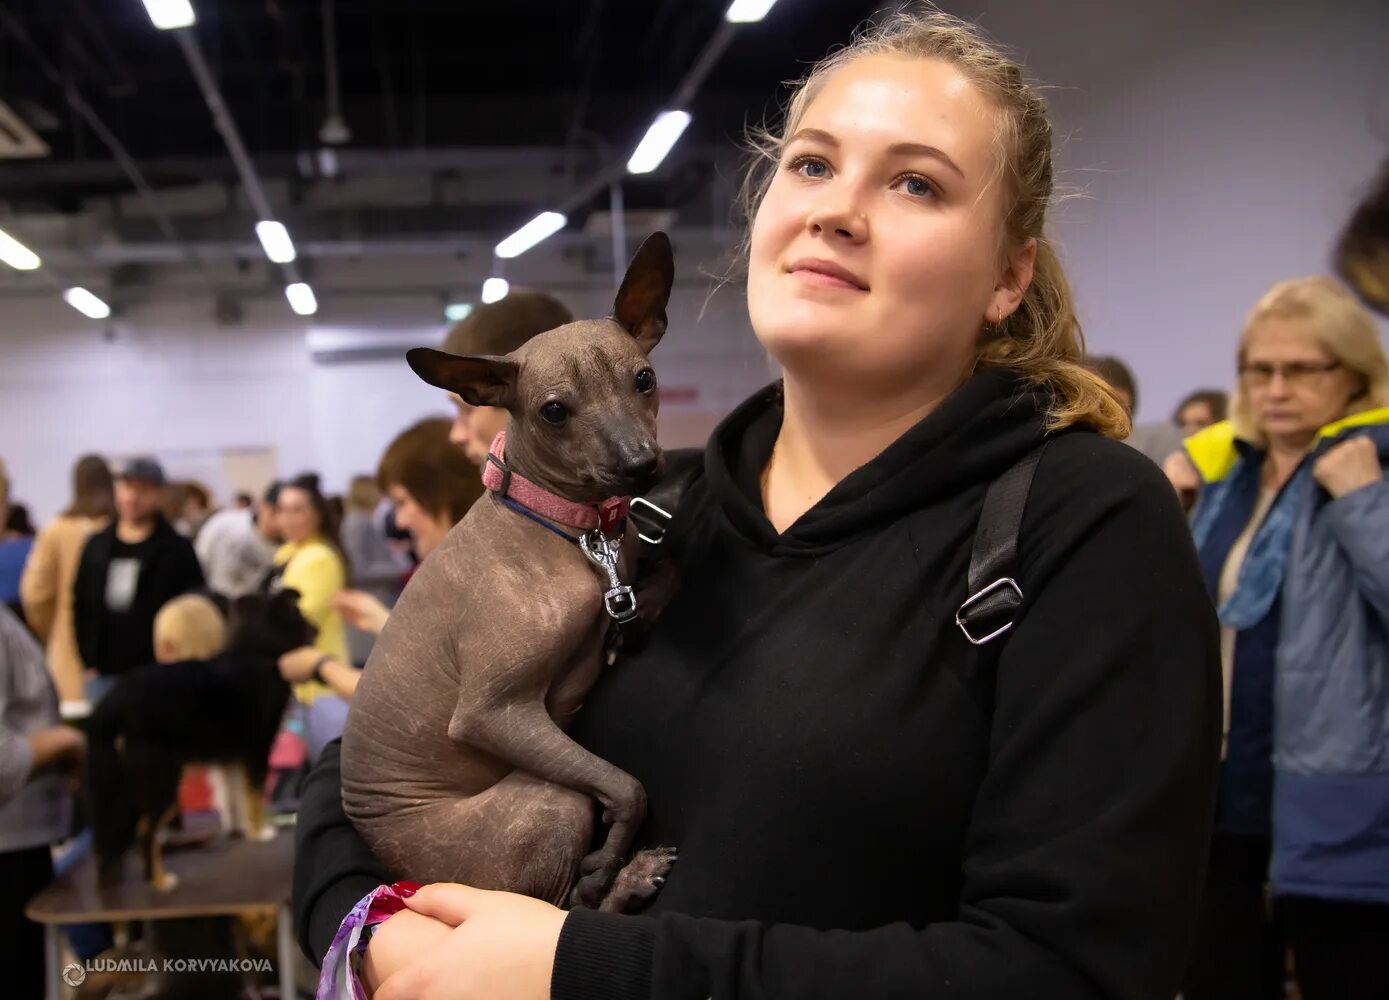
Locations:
35 807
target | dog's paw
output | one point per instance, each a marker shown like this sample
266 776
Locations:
598 871
639 881
264 834
167 882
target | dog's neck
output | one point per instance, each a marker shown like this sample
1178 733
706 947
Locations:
510 479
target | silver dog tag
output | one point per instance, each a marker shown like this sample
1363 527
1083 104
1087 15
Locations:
619 601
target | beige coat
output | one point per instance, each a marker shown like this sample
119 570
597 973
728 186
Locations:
46 593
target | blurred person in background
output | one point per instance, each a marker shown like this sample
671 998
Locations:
1154 440
311 563
432 484
378 567
16 542
243 500
1362 255
1292 525
496 328
46 589
128 571
1199 410
237 546
39 759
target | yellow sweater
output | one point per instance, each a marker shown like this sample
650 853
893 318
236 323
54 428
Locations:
316 571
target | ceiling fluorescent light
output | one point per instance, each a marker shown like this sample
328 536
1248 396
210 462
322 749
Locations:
495 289
86 303
543 225
455 311
747 11
301 298
659 138
168 14
16 254
274 237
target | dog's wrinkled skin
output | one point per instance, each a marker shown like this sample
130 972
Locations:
455 763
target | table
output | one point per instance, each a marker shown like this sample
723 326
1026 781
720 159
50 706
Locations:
227 877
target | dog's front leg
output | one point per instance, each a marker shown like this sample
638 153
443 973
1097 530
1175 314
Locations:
522 733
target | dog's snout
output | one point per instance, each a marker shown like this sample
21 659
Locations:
643 467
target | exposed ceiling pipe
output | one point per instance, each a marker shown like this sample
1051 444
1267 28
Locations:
226 125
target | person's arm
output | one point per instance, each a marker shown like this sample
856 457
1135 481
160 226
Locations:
333 866
297 666
1358 515
38 586
21 753
86 612
189 572
1084 861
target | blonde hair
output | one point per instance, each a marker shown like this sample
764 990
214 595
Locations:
1340 324
1042 340
190 628
363 494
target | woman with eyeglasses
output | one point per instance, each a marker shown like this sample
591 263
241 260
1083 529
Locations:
1292 525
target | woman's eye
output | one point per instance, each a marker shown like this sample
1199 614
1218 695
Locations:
554 412
917 187
810 166
646 380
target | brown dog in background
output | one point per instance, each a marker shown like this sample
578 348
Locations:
455 763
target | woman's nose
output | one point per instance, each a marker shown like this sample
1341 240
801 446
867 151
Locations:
838 214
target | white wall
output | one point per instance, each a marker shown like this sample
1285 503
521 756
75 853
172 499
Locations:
174 384
1225 157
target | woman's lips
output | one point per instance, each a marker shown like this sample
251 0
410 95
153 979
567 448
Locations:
827 274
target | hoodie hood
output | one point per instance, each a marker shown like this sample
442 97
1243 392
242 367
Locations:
970 439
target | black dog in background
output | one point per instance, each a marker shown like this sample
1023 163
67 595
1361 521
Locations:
159 717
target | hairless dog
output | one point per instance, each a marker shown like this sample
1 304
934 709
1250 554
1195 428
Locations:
455 762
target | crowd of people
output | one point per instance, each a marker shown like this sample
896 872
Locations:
1231 617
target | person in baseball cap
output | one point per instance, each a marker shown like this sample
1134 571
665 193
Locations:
127 573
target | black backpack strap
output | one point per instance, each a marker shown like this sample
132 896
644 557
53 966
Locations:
994 593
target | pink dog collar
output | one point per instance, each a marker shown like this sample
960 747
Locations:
581 516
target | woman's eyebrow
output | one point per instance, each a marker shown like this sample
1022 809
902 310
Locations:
897 149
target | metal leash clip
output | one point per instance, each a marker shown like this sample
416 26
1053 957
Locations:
620 601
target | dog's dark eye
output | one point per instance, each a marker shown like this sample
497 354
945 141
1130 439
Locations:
646 380
554 412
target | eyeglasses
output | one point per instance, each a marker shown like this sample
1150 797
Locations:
1295 373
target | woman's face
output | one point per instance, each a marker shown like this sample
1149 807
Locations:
1195 417
295 517
875 252
1294 384
426 530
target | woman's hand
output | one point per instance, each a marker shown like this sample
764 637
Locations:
297 665
1348 466
362 611
502 947
398 942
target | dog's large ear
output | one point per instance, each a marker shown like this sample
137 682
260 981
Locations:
641 301
481 381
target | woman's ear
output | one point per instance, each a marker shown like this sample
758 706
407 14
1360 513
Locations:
1012 283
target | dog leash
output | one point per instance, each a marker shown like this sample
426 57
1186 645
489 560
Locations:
603 525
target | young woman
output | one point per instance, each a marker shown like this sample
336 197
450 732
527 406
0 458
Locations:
310 561
1292 524
864 803
432 484
46 587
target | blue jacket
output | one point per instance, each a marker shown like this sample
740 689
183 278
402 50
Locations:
1316 576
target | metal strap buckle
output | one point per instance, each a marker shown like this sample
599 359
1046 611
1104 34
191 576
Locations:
619 601
962 616
650 524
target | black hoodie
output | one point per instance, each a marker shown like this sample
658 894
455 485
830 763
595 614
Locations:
865 805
